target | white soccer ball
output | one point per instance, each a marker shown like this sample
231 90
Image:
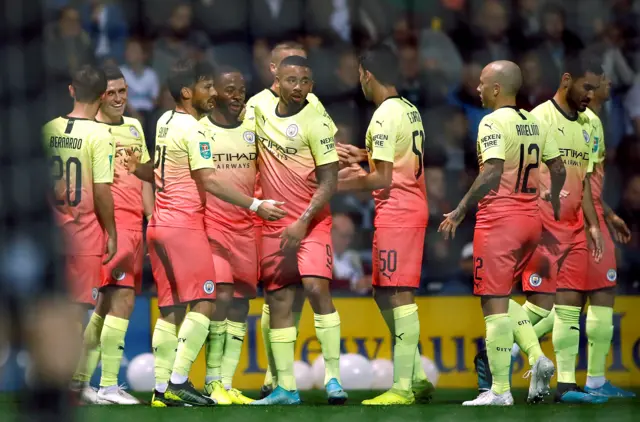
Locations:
317 372
430 369
304 375
356 372
382 374
140 374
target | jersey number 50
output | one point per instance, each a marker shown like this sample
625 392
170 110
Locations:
60 169
522 187
418 149
159 156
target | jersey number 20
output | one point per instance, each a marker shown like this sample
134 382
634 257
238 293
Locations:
62 169
521 184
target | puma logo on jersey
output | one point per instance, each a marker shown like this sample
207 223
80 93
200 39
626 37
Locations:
201 133
561 130
324 124
379 122
264 120
489 125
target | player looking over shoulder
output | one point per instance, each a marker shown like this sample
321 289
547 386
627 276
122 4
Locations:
296 148
81 158
178 247
602 276
394 148
231 236
266 98
122 276
511 145
563 252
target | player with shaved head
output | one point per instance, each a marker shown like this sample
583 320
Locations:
511 144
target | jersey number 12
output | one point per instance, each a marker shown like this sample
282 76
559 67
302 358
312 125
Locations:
521 184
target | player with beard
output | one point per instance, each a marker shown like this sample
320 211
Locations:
178 247
266 98
231 236
122 276
298 165
558 271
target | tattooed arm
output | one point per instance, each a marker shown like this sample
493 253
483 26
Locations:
487 180
327 176
558 175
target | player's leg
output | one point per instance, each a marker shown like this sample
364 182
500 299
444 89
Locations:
396 275
164 343
493 278
315 260
121 279
570 299
236 331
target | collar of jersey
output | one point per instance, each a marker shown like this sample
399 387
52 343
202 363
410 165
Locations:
74 118
120 123
306 103
566 116
220 125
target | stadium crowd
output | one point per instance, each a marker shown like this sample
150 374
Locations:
442 47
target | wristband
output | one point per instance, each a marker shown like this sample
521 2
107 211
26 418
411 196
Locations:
255 204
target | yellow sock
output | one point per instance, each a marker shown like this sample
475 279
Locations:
524 333
232 349
191 337
534 312
164 344
599 333
499 342
112 344
566 340
265 328
328 333
283 342
418 371
407 334
91 349
214 348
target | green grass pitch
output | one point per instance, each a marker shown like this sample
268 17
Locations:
446 406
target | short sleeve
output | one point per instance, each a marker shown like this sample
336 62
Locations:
103 149
320 108
550 150
383 130
198 144
144 156
491 140
322 143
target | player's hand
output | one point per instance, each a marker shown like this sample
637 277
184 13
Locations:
269 210
293 235
618 228
131 161
597 243
349 171
546 195
112 248
350 154
451 222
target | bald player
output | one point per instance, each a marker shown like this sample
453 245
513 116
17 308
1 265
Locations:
268 99
511 143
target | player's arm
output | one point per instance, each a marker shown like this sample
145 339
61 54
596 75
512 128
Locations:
148 196
557 171
617 226
202 171
492 152
384 135
102 153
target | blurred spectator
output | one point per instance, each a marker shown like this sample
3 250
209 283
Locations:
468 98
492 41
525 25
274 20
436 193
615 65
105 23
343 83
345 134
348 272
557 42
533 91
630 213
448 144
143 83
360 208
179 40
67 46
632 105
441 62
412 83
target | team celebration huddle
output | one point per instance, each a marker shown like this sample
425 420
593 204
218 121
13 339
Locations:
236 195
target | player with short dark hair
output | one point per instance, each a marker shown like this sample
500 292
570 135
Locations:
81 156
564 251
267 98
231 236
511 145
602 276
298 165
122 277
178 248
394 149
